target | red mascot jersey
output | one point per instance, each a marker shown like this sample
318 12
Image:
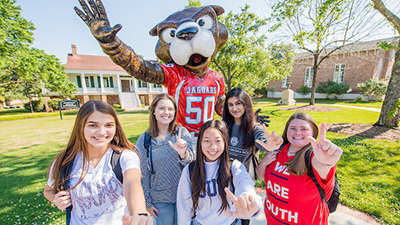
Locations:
195 97
295 199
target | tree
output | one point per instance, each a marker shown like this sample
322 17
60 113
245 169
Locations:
322 27
390 115
244 59
24 69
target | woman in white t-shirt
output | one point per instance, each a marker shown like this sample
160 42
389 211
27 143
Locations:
82 180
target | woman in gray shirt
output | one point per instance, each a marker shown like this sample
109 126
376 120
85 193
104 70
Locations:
164 150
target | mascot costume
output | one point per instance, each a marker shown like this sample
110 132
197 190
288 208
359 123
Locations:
188 40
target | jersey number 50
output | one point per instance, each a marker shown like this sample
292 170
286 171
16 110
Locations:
202 115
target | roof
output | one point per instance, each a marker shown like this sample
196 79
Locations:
353 47
91 62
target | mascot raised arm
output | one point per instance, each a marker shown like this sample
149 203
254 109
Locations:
188 40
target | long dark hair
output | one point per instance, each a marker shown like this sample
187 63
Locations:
153 128
248 118
198 178
297 165
77 142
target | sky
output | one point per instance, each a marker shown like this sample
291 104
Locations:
58 26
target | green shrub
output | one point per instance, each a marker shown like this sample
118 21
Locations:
261 91
373 88
304 90
359 99
53 103
37 105
331 87
117 106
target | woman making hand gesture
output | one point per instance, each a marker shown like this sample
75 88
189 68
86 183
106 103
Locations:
164 150
292 196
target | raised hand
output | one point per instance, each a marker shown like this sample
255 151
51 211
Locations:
181 145
261 119
97 21
246 206
325 152
62 200
273 141
137 220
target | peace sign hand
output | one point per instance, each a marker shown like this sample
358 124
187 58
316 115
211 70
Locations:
96 19
181 145
246 206
273 141
325 152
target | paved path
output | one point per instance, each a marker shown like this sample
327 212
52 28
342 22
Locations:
355 107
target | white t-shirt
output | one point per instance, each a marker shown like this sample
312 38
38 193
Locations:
99 198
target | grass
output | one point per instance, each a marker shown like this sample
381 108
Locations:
367 172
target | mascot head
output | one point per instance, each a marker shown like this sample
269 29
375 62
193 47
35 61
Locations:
191 38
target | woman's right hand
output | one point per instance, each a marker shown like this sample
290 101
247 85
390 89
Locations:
62 200
153 210
273 141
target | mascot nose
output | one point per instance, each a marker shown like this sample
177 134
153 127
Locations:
187 33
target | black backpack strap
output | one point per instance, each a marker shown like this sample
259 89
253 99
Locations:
65 173
310 173
191 167
116 166
147 146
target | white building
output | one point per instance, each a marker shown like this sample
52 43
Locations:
98 77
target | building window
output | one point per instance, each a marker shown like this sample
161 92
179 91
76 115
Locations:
309 76
92 81
142 84
106 82
378 72
389 74
157 85
338 76
284 82
98 82
111 82
78 81
393 55
87 81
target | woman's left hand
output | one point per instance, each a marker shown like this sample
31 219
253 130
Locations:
181 145
137 220
246 206
325 152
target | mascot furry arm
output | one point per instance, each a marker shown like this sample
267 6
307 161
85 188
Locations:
188 40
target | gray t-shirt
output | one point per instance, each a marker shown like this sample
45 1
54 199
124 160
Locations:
245 155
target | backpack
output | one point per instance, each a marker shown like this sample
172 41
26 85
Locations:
191 167
66 171
333 201
149 152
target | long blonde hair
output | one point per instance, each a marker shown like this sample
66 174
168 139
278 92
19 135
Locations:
297 165
77 143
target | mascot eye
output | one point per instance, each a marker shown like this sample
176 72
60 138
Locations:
205 22
168 35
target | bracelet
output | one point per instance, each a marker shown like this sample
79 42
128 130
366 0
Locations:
143 214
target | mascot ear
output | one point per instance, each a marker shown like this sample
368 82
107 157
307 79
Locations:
218 9
153 31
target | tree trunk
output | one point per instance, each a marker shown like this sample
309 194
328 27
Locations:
30 102
314 80
392 96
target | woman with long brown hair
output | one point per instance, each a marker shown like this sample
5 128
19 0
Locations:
293 196
165 148
205 191
82 179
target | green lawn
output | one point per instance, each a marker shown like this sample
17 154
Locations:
367 172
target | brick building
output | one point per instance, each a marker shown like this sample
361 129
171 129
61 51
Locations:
353 64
